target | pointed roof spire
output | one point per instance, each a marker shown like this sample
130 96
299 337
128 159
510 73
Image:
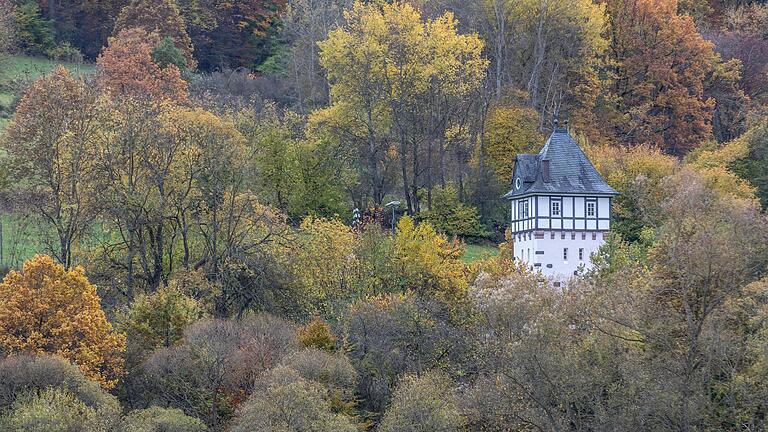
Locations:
561 167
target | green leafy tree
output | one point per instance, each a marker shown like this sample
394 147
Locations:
166 53
753 166
34 34
451 216
229 35
159 319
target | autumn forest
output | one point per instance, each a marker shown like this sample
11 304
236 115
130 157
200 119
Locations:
286 215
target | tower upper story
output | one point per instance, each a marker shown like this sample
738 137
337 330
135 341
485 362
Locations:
559 189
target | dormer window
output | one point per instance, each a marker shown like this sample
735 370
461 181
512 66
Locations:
517 183
591 209
555 208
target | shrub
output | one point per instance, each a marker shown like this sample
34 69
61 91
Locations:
284 401
425 403
25 373
194 284
334 371
65 52
394 335
52 410
159 319
216 364
317 333
156 419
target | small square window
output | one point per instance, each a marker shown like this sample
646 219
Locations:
552 236
594 236
555 208
590 209
573 236
583 236
562 236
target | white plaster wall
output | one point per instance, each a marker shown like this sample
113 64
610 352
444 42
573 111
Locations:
525 247
552 249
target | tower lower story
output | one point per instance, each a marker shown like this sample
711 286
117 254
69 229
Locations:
559 254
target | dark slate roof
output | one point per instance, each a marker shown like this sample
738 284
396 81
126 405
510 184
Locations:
570 172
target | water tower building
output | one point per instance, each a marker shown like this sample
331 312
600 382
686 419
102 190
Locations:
560 206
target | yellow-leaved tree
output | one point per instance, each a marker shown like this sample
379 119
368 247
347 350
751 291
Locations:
47 309
323 262
399 83
510 130
430 264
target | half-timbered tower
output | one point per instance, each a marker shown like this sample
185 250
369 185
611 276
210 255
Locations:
561 207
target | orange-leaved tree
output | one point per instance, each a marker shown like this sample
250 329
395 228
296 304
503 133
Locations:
47 309
661 66
126 69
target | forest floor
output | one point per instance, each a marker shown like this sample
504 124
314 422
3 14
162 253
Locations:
475 252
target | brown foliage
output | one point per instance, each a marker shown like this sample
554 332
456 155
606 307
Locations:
216 364
126 69
662 63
